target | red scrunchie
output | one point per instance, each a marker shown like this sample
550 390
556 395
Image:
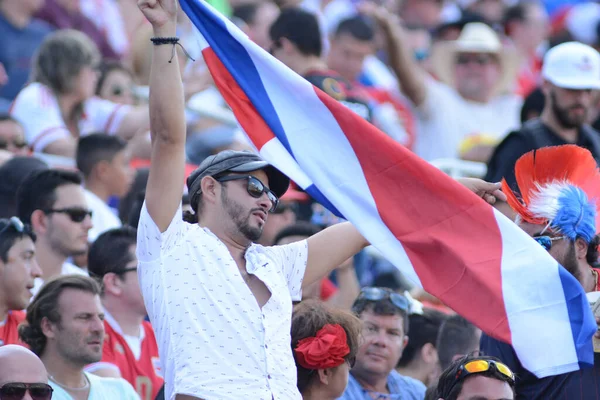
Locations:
325 350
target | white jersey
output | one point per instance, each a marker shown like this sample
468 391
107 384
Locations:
36 108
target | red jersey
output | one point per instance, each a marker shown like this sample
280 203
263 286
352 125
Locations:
143 373
9 332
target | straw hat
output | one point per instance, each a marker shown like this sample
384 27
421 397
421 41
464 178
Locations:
476 37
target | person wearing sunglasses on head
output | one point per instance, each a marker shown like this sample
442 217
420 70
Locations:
324 341
53 202
18 270
220 304
385 318
130 350
22 375
476 377
560 191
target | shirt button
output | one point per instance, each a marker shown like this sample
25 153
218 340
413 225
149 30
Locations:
266 347
269 376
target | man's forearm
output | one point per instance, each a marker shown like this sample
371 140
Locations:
167 108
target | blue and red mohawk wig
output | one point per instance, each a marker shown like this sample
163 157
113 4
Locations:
559 186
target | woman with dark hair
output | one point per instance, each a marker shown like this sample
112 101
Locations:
59 105
324 341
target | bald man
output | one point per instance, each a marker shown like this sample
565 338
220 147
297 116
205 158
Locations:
21 369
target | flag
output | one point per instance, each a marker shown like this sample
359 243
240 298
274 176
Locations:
438 233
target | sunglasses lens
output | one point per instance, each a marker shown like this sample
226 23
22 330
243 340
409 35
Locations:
373 294
274 200
255 187
477 366
544 241
504 369
13 391
78 215
399 301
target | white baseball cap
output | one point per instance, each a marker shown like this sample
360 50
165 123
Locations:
572 65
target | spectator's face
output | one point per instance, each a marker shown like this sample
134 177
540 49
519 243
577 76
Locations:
12 138
79 335
17 274
347 55
23 368
570 107
535 29
490 10
248 214
476 75
483 388
66 236
383 342
422 12
562 250
119 174
117 87
266 14
86 81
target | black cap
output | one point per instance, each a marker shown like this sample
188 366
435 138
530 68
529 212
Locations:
236 161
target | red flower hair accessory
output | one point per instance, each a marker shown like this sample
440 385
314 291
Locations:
325 350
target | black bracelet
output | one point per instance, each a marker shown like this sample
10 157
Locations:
164 40
157 41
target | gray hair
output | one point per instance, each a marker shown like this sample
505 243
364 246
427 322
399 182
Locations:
61 57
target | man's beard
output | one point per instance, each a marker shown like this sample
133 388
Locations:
563 117
569 261
236 212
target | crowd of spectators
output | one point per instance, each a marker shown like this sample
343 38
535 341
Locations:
474 81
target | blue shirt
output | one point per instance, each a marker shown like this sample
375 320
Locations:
577 385
400 387
16 53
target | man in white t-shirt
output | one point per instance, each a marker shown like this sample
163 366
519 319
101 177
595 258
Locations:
471 105
104 161
52 201
64 327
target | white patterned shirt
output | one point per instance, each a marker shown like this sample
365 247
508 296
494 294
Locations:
214 340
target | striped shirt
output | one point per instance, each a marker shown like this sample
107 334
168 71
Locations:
400 388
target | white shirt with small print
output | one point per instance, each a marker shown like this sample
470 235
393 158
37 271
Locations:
214 340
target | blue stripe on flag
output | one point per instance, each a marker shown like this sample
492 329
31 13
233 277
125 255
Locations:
236 59
577 302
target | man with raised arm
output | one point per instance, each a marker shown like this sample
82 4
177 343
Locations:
220 304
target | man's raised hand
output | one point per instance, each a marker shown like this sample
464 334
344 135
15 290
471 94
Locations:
159 12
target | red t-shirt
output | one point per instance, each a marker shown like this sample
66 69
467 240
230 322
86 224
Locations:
9 333
144 373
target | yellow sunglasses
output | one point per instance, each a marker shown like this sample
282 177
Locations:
479 366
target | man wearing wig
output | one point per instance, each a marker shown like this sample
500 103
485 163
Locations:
558 206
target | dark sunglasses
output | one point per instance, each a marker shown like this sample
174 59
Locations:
255 188
17 391
479 59
546 241
378 294
76 214
479 366
14 223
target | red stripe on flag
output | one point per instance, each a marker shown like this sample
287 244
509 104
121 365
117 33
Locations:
235 97
450 235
